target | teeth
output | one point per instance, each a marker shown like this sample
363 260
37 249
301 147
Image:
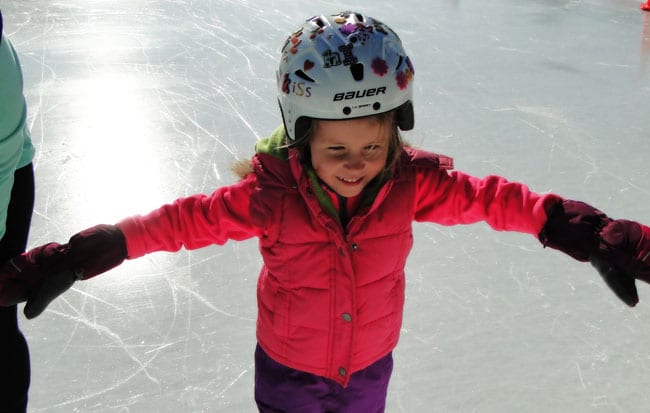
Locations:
350 180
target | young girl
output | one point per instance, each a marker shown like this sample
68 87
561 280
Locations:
16 204
331 196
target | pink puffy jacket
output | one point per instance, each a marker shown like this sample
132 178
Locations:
330 299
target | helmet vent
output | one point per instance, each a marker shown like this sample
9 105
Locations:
303 75
399 62
357 71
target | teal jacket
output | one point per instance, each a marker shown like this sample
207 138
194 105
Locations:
16 149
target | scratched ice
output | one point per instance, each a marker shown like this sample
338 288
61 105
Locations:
133 104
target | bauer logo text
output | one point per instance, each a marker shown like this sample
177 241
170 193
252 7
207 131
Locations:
358 94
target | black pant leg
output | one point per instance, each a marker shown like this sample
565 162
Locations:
14 354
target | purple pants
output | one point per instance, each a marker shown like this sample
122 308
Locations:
282 389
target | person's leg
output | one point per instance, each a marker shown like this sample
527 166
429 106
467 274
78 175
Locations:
367 389
14 358
19 214
281 389
14 354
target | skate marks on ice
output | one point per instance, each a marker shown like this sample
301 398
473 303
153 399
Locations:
135 104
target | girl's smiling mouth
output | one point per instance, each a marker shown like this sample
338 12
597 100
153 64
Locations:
350 181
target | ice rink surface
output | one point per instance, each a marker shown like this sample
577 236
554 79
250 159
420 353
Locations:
135 103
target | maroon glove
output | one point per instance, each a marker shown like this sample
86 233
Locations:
623 256
43 273
618 249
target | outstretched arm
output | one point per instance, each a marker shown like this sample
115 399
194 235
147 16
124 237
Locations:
618 249
45 272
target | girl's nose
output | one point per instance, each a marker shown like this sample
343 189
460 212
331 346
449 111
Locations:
354 161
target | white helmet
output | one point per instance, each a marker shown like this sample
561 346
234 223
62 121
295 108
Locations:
343 66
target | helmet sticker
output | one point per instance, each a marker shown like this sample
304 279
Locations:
294 41
379 66
331 59
403 77
295 88
348 57
348 28
410 65
286 83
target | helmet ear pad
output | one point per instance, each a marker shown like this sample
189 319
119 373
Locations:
301 126
404 116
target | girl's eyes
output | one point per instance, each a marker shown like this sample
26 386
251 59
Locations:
368 148
372 151
368 151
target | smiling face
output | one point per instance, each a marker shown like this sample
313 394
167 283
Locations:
348 154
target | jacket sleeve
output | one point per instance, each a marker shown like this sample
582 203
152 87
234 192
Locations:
450 198
193 222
